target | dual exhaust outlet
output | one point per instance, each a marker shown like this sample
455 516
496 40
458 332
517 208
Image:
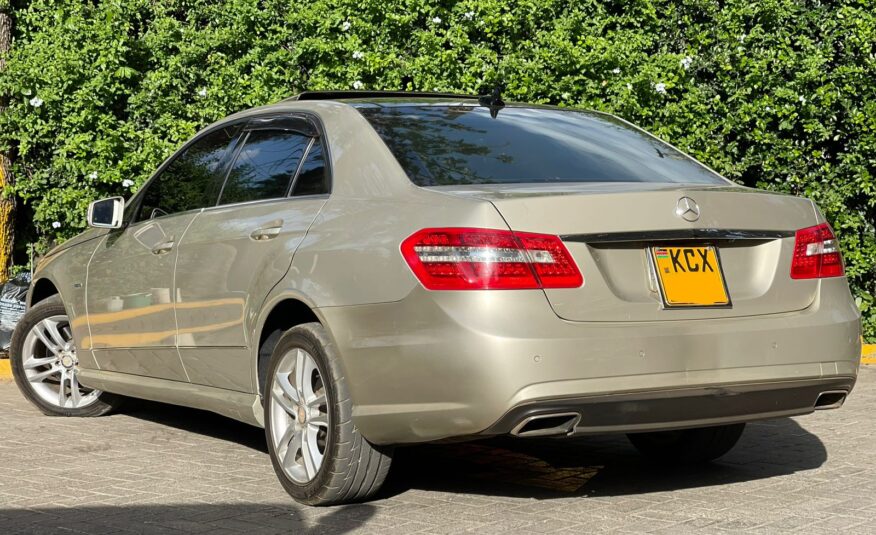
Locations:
832 399
547 425
564 423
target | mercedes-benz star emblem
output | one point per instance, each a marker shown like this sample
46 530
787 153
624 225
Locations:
687 209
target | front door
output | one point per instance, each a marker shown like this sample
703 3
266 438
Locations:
129 285
234 253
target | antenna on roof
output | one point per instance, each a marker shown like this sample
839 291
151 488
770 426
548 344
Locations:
493 101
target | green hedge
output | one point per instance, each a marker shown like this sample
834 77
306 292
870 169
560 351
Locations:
778 94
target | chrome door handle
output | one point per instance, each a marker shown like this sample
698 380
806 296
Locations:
162 248
266 233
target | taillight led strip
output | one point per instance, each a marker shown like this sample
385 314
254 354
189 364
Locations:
489 259
816 254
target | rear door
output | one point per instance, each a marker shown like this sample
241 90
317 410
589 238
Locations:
236 251
129 285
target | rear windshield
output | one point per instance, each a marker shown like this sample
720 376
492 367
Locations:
452 145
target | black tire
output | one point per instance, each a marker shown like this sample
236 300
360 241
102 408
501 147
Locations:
352 469
52 306
688 446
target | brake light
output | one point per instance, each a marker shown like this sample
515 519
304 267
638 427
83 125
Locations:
487 259
816 254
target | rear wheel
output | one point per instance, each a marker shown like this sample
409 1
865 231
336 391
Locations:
317 452
688 446
45 364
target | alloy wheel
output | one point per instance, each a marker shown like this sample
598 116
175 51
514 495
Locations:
52 367
299 415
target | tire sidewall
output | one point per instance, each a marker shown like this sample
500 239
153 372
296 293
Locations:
304 337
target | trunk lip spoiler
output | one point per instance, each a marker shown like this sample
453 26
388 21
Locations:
678 234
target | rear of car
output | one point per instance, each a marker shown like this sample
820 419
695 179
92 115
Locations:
625 287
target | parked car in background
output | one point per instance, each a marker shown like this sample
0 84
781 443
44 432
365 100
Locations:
13 296
357 271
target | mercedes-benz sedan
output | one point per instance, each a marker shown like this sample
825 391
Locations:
357 271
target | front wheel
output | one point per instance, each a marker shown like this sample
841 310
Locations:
318 454
688 446
46 366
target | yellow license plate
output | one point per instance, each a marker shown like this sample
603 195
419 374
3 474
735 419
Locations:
690 276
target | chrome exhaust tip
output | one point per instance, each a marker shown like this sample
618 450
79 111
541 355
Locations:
832 399
546 425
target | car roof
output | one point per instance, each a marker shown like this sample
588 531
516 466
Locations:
362 98
398 96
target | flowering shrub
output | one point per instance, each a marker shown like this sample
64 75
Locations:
778 95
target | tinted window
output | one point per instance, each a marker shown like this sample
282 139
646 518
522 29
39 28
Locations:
448 145
265 166
191 181
312 179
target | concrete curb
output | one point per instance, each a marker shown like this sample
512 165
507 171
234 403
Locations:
868 354
5 370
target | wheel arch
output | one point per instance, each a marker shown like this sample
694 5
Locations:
40 290
279 315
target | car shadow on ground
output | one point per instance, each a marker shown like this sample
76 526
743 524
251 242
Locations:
597 466
545 468
188 518
203 423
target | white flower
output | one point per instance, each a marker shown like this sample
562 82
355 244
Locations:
56 224
345 26
629 86
358 55
616 70
686 62
358 84
202 92
468 15
36 102
660 88
742 38
802 99
436 20
127 183
92 175
768 108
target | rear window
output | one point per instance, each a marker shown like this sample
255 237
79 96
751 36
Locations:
453 145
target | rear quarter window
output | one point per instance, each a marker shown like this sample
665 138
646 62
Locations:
440 145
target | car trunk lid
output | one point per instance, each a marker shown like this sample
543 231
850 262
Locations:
609 228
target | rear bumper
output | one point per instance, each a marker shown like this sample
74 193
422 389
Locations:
446 365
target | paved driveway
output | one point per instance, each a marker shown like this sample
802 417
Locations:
161 469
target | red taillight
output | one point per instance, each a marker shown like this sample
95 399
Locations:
487 259
816 254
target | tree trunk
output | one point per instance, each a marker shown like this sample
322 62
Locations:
7 203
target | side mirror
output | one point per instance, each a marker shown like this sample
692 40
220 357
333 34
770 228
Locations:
106 213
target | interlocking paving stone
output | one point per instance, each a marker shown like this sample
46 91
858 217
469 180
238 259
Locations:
154 468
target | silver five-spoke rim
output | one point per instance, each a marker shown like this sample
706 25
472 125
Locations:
299 415
51 366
